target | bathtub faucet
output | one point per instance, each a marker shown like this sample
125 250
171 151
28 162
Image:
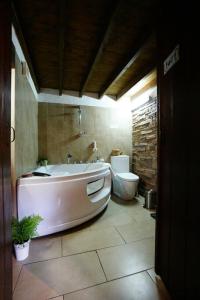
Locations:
69 156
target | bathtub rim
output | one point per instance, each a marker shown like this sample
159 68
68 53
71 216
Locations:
65 177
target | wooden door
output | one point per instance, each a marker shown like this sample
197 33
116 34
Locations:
5 188
177 233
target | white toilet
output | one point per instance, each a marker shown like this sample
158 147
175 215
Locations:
125 183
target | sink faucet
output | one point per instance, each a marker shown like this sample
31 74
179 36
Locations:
69 156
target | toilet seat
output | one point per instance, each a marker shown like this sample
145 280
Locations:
128 176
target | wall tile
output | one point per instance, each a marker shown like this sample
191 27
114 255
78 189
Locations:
108 127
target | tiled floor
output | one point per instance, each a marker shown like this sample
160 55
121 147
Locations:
110 257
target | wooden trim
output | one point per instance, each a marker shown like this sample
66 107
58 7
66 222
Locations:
144 73
5 180
101 46
128 61
147 86
20 36
62 7
12 146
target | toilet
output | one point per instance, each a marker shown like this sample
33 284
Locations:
125 183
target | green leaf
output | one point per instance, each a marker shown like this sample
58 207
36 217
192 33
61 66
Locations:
25 229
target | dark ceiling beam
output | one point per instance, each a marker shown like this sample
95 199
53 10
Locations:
62 7
22 42
128 61
144 72
102 45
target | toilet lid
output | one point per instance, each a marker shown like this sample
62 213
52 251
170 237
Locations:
128 176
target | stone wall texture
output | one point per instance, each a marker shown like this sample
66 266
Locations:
58 130
144 120
26 124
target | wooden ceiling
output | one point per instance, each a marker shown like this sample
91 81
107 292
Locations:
87 46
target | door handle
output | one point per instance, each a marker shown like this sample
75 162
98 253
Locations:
12 134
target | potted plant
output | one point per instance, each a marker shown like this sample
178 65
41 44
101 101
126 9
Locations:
22 232
43 161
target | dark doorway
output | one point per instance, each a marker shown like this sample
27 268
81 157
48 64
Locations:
177 241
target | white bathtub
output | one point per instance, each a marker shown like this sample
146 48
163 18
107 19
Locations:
73 194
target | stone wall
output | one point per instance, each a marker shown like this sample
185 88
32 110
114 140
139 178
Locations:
144 120
26 123
58 129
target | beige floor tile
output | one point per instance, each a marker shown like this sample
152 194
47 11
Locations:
135 287
140 214
43 249
16 271
115 214
110 219
32 287
132 208
120 219
56 298
137 230
101 222
78 242
124 205
59 276
114 207
127 259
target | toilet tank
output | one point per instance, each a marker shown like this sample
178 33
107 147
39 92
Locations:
120 163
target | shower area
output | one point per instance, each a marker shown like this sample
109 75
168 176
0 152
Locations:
84 132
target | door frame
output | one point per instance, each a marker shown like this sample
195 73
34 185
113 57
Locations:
5 177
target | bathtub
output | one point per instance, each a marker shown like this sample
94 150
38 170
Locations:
71 195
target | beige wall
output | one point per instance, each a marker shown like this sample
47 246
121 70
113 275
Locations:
58 129
26 123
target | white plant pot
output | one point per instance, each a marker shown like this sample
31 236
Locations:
22 250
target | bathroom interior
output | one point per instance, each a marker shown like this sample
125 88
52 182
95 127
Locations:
66 133
108 246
